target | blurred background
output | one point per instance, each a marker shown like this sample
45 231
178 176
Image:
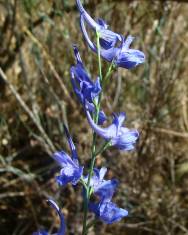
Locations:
36 97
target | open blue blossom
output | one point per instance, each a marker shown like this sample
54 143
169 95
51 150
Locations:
107 211
121 137
108 38
97 178
84 87
104 189
61 230
114 47
71 171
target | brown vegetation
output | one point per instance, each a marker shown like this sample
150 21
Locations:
36 98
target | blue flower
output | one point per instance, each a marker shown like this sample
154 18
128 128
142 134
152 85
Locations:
61 230
71 171
114 47
84 87
121 137
107 211
108 38
126 57
104 189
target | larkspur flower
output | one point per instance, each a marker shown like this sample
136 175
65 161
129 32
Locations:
104 189
71 171
114 47
119 136
84 87
107 211
82 84
61 230
108 38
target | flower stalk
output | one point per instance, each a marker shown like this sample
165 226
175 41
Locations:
93 149
115 49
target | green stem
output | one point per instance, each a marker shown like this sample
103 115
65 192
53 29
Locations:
103 148
93 150
83 183
94 154
110 70
84 230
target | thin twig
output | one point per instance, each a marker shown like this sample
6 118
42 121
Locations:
12 194
29 112
170 132
50 64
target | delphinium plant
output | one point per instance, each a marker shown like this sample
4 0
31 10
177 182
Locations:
115 49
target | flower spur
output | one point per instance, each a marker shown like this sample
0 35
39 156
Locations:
114 47
119 136
71 172
61 230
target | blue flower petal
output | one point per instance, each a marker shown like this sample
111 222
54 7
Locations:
93 207
62 158
114 47
71 172
121 137
84 88
62 228
97 178
71 145
106 189
130 59
108 37
108 212
126 140
102 23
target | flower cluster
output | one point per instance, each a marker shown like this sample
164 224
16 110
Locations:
84 88
105 210
114 48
